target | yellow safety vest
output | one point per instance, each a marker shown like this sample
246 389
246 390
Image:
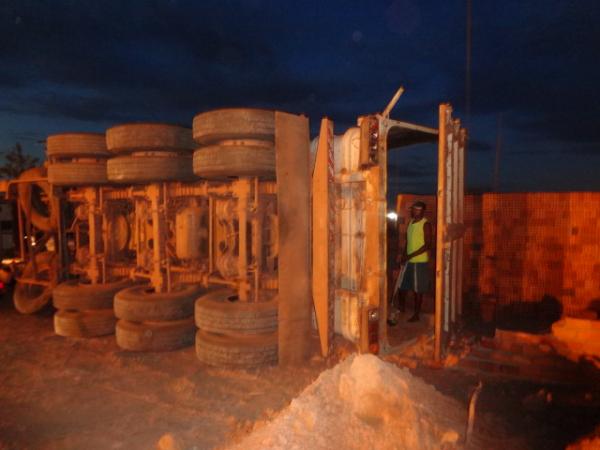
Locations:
415 237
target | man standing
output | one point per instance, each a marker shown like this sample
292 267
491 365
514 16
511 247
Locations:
416 257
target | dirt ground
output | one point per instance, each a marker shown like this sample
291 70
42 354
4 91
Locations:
58 393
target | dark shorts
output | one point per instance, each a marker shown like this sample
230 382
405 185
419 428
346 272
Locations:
417 278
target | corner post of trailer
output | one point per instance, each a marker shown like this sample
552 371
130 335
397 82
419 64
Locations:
373 163
440 266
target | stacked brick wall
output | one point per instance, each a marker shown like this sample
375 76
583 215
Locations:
524 247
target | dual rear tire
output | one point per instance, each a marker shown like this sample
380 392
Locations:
85 310
235 334
148 153
149 167
77 159
235 143
155 321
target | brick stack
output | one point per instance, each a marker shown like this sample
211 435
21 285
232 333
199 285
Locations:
582 265
527 356
522 247
473 244
538 245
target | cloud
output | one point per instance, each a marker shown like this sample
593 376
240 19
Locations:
166 60
194 56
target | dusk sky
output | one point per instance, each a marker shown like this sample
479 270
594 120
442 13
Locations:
86 65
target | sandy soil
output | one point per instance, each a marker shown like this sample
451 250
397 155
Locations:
367 403
58 393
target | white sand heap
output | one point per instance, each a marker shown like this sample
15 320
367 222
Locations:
363 403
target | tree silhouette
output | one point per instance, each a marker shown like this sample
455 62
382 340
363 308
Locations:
15 162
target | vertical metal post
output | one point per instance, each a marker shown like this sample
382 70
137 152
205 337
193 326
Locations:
444 113
139 231
448 282
454 217
382 231
242 210
92 271
450 208
166 252
61 242
257 244
21 231
461 213
104 230
211 216
157 276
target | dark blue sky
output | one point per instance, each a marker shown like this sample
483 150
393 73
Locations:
86 65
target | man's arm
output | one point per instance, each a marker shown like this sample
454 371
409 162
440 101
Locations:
428 232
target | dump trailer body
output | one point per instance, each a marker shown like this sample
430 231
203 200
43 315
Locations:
355 222
272 220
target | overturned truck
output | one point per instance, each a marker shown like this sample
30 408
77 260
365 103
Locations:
240 235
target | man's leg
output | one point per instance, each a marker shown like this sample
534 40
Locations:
418 303
401 300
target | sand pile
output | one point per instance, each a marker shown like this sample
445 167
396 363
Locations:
591 442
363 403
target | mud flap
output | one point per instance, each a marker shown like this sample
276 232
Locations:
293 203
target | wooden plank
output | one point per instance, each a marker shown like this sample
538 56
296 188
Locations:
323 237
293 204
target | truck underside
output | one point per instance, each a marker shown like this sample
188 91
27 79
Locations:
239 236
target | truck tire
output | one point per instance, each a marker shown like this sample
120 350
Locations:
141 303
155 336
149 168
141 137
221 161
240 352
30 298
99 322
216 313
42 216
77 173
76 145
79 296
236 123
